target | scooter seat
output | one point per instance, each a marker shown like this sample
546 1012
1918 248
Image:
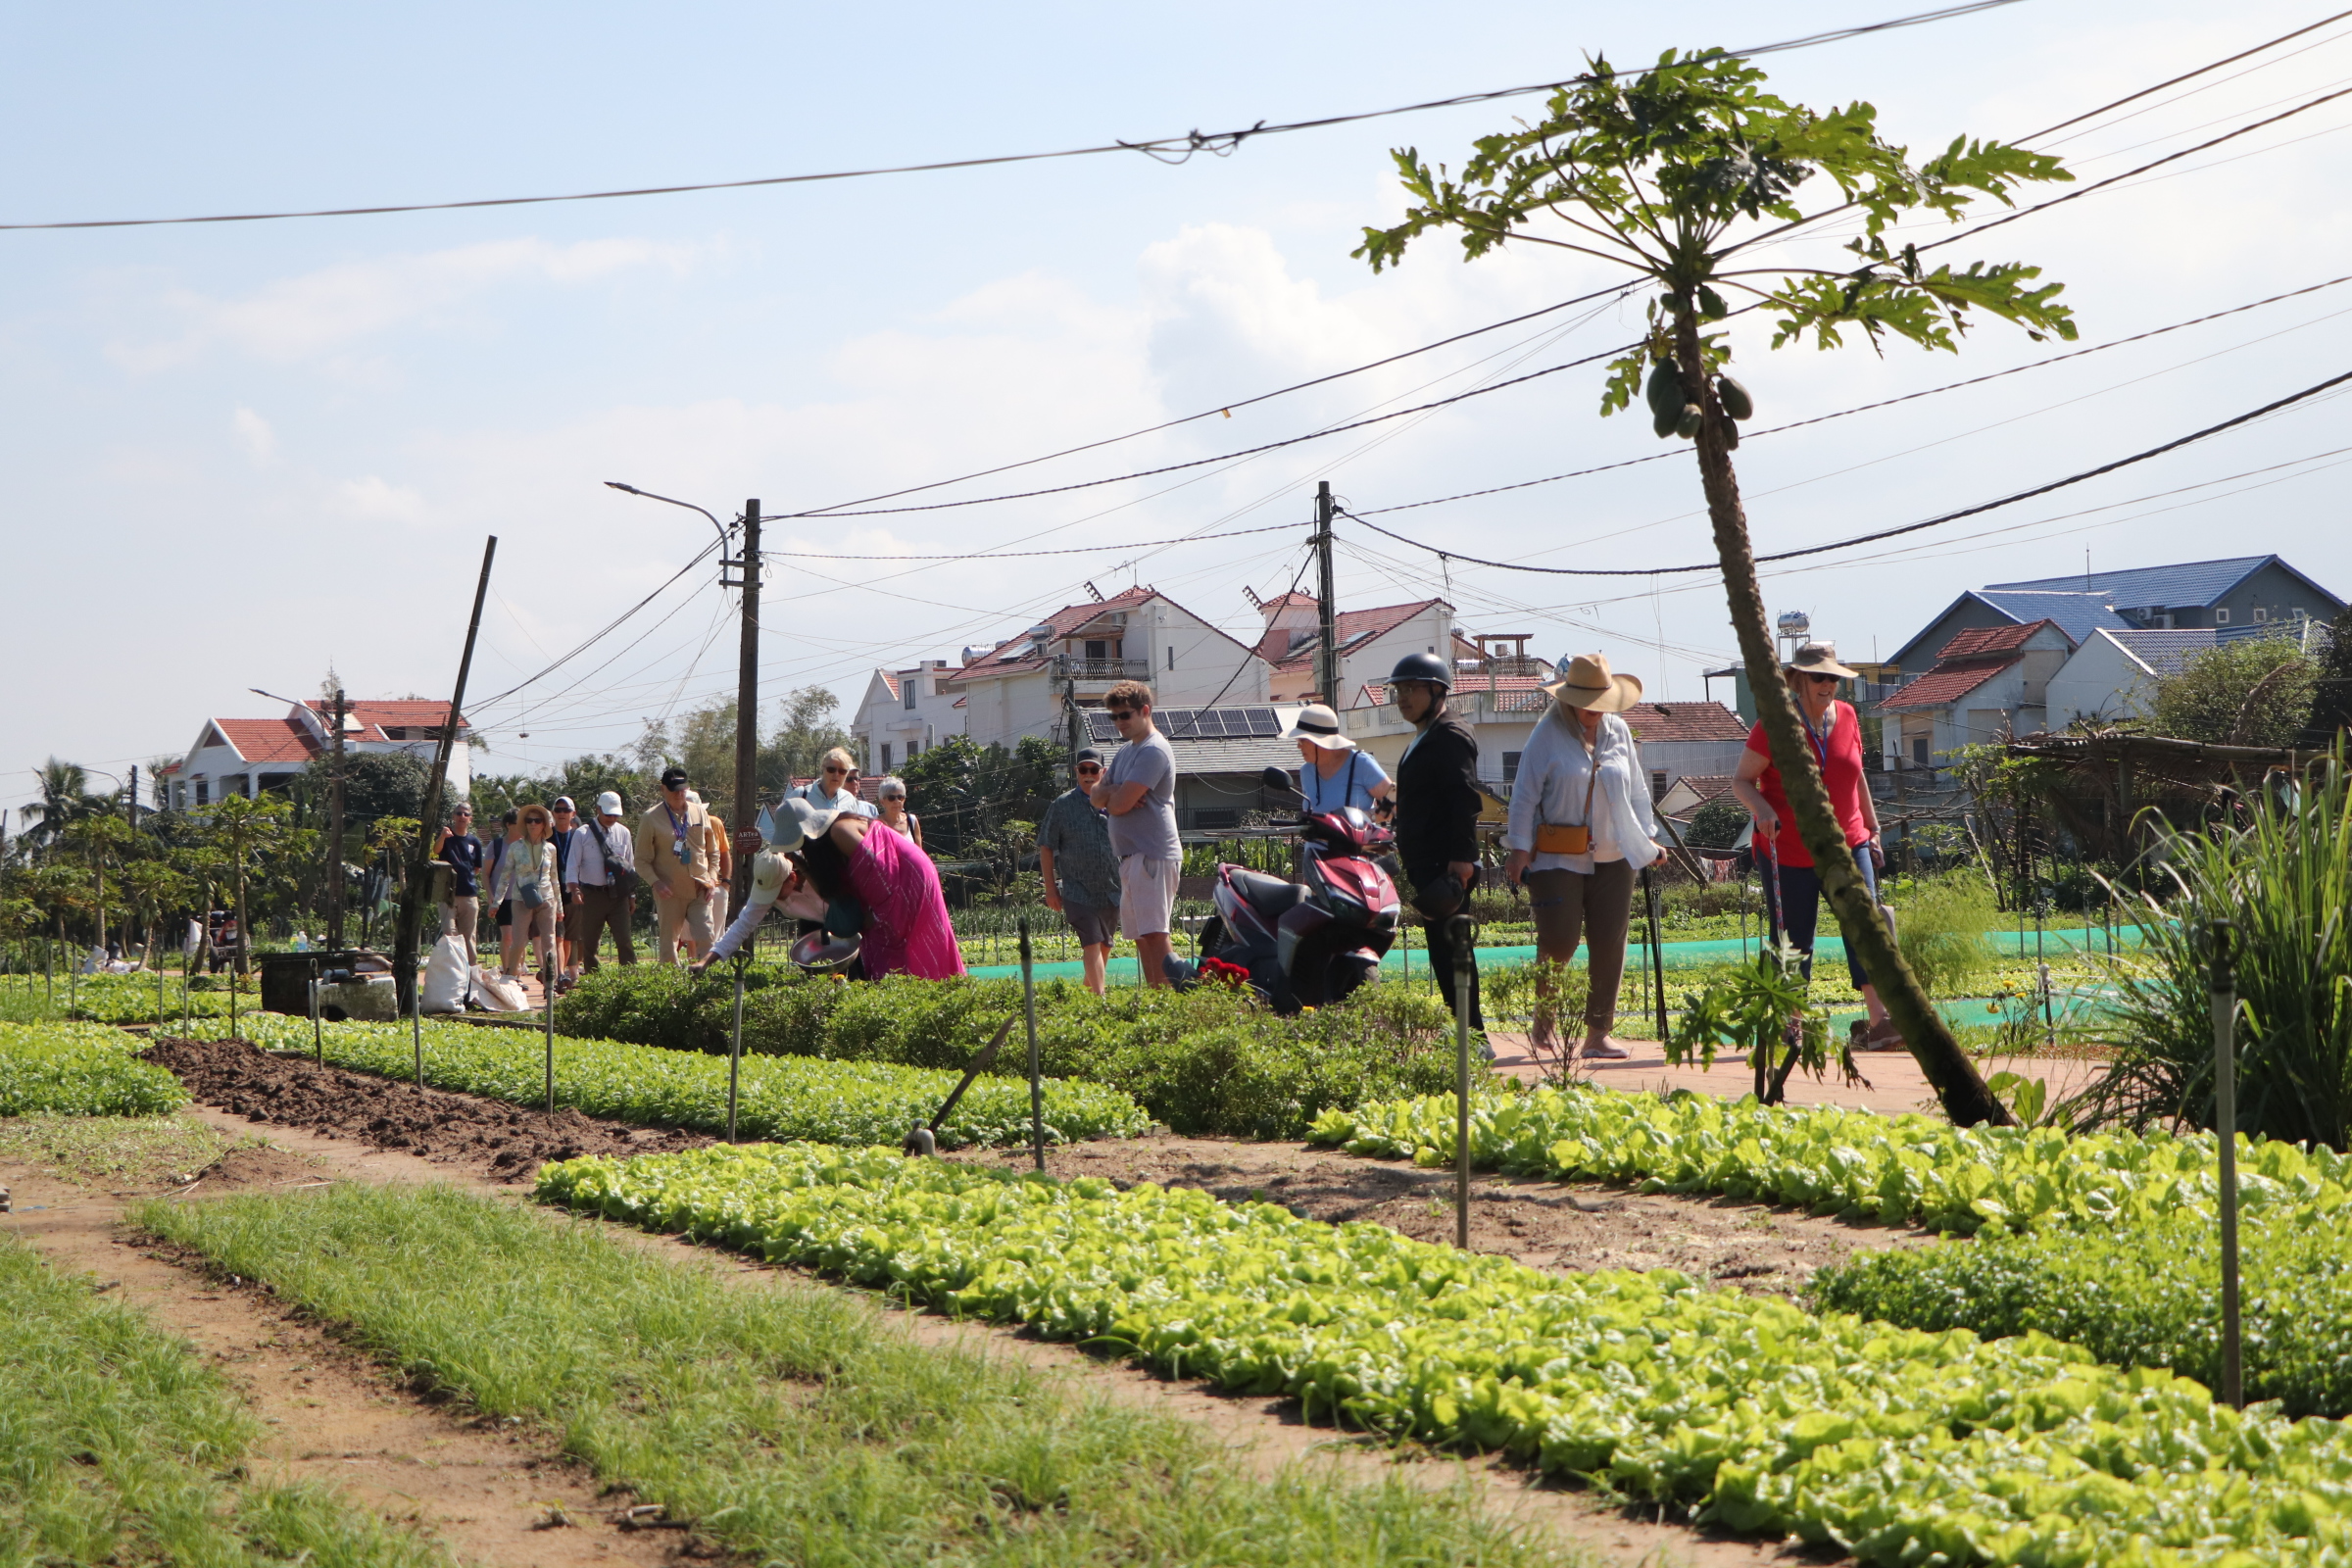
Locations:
1269 896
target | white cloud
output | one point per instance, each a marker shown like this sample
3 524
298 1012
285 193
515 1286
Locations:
304 318
254 436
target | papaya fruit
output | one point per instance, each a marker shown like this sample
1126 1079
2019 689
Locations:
1731 436
1665 390
1664 423
1710 304
1686 426
1736 401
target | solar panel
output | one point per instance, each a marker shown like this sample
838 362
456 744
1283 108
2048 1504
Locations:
1196 723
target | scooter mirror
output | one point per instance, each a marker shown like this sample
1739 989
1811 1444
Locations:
1274 778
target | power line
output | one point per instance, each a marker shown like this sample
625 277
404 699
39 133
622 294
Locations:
1022 554
608 628
1166 149
2176 81
1865 408
1884 533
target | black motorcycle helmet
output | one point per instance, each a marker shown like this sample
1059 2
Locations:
1423 667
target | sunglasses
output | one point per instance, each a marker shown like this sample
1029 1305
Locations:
831 768
1123 714
1818 679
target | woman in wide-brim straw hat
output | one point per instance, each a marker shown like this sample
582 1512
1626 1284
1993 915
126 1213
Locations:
1792 886
1582 825
1335 773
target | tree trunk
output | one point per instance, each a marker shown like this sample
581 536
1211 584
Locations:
1954 1078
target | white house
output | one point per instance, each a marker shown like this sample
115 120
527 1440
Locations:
1030 684
906 713
246 756
1987 684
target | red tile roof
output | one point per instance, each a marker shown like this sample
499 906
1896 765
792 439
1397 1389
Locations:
1983 641
1293 596
1706 786
376 716
269 740
1684 721
1352 625
1012 654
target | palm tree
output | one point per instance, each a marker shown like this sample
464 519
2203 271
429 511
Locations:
65 798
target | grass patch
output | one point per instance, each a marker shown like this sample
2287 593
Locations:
114 1442
791 1422
100 1151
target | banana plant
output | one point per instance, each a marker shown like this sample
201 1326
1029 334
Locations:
1682 176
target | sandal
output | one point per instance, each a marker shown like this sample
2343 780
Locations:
1605 1050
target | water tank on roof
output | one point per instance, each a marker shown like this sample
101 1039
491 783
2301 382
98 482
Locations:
1042 632
1796 624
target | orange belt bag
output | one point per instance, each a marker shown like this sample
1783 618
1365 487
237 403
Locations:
1563 838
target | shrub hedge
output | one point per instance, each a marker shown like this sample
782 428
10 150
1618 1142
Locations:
1205 1061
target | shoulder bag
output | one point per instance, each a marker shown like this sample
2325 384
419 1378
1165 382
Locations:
622 880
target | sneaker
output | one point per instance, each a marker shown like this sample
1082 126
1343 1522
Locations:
1605 1050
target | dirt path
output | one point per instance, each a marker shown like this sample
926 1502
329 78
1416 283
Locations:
491 1494
485 1491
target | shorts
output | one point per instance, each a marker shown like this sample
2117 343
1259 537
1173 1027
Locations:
1147 895
1093 924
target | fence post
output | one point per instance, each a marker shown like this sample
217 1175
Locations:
735 1047
548 984
1036 1091
1463 934
2224 1108
317 1033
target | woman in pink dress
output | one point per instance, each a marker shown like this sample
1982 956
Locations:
841 855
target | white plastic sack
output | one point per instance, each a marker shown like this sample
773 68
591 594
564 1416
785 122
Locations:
445 976
498 992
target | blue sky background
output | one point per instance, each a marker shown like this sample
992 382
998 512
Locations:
242 452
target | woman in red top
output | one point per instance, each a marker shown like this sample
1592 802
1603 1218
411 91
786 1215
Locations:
1794 895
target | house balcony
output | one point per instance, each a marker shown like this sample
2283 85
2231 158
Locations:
1102 669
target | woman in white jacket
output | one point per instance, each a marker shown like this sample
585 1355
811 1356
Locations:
1581 826
527 874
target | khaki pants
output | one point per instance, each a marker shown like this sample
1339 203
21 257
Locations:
457 918
693 913
1600 908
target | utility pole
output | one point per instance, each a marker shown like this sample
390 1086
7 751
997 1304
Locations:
1327 661
420 854
130 799
747 691
334 835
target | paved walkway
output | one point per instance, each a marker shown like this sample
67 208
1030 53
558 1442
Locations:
1895 1081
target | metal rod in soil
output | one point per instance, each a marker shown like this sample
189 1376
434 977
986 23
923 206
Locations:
1037 1089
1462 934
2224 1118
735 1048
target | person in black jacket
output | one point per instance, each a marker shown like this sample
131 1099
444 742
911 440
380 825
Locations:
1437 803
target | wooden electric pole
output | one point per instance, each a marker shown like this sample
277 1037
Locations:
746 808
1327 601
420 854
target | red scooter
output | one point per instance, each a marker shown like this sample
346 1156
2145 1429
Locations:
1308 943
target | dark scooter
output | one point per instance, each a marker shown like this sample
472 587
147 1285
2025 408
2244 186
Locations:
1309 943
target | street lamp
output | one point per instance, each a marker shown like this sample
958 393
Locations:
334 821
746 565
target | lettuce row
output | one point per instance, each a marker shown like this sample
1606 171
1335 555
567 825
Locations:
1853 1162
781 1097
1899 1445
81 1069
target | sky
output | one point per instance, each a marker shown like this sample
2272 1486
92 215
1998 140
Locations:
242 454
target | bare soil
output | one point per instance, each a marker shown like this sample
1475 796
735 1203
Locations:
1756 1248
506 1142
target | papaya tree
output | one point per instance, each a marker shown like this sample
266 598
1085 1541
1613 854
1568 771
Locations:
1680 175
248 829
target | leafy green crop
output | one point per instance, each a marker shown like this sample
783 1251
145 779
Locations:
2145 1295
1853 1162
826 1101
1894 1443
1204 1061
81 1069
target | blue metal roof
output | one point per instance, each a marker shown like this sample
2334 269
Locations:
2077 613
2165 652
2193 584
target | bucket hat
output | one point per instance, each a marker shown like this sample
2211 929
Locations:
1585 682
1820 658
1318 726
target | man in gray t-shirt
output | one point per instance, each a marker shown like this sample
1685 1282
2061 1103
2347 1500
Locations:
1139 790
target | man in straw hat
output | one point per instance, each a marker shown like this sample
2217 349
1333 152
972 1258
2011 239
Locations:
1792 885
1581 828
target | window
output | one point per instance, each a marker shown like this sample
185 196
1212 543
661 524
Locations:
938 687
1171 656
2220 617
1510 767
886 757
912 751
909 691
201 797
2261 613
1657 782
1918 751
1096 647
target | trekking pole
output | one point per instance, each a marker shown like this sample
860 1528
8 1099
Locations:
1036 1091
735 1047
2224 1108
1460 930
